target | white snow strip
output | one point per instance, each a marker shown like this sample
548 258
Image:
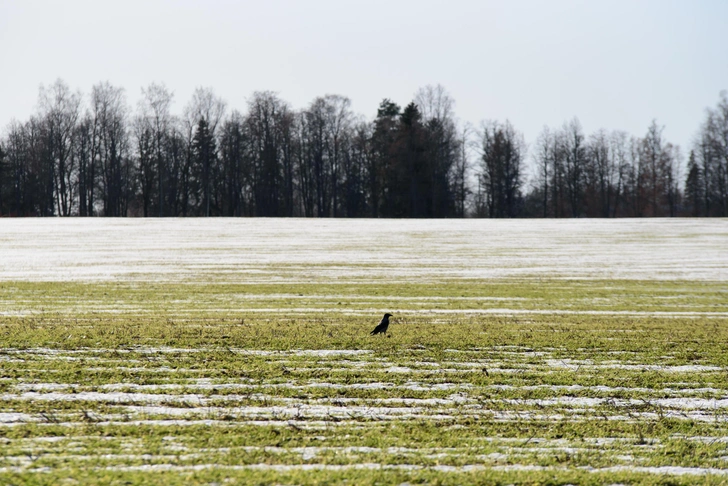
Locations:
656 470
15 417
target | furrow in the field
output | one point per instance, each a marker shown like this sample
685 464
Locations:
312 360
460 372
603 389
641 470
571 402
226 420
134 393
273 415
493 451
282 455
473 390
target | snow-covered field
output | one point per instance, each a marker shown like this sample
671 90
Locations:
261 250
565 351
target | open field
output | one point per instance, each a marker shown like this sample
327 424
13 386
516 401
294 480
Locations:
237 352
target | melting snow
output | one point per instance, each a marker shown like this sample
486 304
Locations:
257 249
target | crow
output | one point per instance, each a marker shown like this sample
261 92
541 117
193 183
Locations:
383 325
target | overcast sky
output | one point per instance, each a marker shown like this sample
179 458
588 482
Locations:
614 64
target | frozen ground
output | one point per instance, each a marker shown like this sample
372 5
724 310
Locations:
250 250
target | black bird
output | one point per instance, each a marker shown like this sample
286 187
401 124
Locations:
383 325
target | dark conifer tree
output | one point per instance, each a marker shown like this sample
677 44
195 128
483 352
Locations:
204 150
411 173
381 161
235 172
693 186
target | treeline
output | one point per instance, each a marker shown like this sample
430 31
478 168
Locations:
94 156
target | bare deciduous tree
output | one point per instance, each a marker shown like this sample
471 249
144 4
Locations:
502 155
60 109
110 148
157 126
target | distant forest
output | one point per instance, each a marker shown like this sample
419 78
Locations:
95 156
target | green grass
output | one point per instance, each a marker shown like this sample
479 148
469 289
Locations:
505 382
206 300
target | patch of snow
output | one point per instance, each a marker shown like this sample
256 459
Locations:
15 417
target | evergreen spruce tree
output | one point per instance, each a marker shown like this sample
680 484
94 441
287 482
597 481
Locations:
203 146
693 185
383 137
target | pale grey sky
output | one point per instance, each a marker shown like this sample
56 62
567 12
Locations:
614 64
